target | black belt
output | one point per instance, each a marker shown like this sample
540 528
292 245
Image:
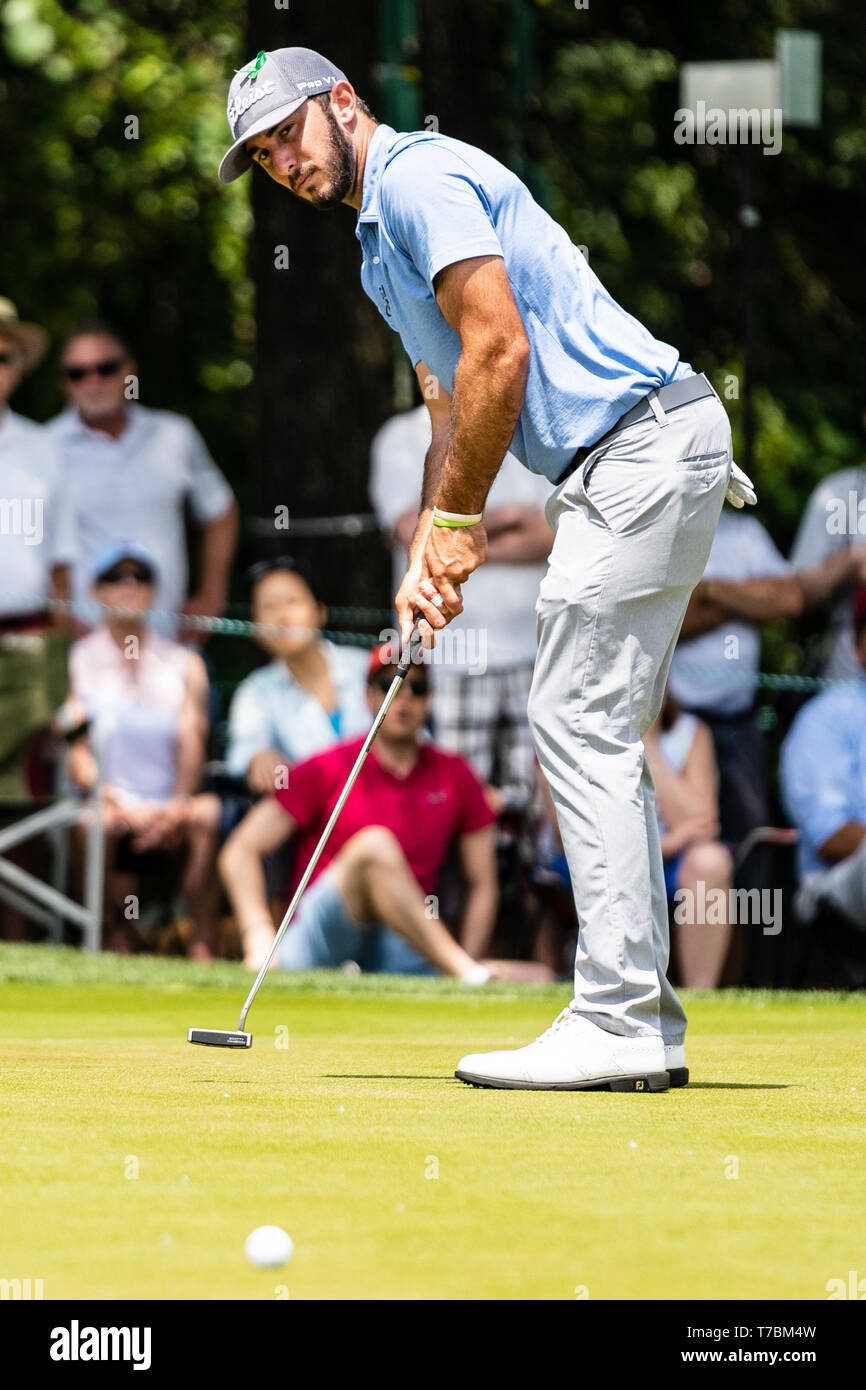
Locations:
671 397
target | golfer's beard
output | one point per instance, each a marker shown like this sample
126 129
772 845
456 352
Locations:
340 167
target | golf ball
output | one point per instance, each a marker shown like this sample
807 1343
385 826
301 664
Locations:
268 1246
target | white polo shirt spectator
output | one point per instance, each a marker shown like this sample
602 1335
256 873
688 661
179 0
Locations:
137 486
835 520
37 523
482 663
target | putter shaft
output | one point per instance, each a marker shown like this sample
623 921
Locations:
402 669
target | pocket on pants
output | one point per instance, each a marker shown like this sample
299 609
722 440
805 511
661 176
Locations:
698 463
701 472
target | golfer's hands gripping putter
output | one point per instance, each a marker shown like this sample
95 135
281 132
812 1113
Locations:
409 655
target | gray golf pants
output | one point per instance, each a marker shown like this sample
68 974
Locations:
633 529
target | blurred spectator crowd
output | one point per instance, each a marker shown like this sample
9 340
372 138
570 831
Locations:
447 857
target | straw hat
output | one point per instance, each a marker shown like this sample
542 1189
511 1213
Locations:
31 339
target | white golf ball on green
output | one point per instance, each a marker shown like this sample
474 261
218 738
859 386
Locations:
268 1247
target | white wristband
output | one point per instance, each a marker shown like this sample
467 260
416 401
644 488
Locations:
441 518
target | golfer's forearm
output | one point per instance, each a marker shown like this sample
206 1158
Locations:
244 878
489 390
433 462
479 915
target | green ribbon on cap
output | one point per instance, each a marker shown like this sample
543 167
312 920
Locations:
253 72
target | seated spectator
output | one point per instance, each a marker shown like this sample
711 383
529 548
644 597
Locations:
679 751
823 776
145 699
372 897
311 695
829 556
133 470
714 671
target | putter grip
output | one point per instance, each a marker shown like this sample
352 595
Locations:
409 651
407 657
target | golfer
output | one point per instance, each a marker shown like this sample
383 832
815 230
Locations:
517 346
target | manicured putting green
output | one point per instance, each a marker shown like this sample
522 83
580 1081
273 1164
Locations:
134 1165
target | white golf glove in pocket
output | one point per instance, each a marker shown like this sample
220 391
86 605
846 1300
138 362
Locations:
740 488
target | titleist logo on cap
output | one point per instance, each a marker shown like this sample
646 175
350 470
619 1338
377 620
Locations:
242 104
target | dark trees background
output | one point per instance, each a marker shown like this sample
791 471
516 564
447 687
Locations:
289 372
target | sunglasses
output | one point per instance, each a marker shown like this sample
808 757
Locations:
98 369
420 688
136 574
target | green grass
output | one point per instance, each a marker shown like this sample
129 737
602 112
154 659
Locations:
333 1137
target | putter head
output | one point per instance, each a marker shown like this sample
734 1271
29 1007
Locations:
215 1037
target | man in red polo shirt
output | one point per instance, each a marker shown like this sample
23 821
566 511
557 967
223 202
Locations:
372 896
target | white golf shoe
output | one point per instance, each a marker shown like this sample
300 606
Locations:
572 1055
675 1064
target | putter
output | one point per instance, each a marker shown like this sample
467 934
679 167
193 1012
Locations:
216 1037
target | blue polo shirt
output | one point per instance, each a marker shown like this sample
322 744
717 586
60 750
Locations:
822 768
429 201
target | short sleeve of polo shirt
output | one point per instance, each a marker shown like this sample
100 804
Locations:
475 813
435 210
209 494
